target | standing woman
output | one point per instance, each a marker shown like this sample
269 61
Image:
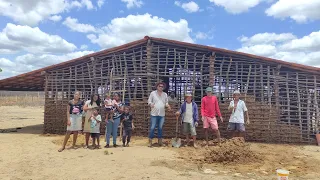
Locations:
89 107
112 125
74 117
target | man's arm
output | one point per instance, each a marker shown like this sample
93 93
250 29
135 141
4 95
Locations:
217 108
231 106
202 107
132 122
167 102
150 100
247 113
196 112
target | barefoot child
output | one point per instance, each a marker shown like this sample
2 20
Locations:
95 121
189 112
127 121
108 105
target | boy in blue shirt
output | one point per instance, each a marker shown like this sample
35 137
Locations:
189 112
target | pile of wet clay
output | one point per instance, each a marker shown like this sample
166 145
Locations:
230 151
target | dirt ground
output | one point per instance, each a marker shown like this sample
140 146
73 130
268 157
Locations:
28 154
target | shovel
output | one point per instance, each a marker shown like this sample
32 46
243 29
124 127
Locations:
176 142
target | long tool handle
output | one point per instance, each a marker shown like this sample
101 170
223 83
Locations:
177 124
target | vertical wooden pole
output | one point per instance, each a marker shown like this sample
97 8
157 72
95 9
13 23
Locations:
261 83
288 99
211 69
149 54
316 104
237 76
201 75
276 86
135 78
299 101
194 75
94 74
220 75
227 78
268 86
308 107
247 84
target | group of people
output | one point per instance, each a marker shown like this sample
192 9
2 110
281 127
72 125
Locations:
117 113
188 111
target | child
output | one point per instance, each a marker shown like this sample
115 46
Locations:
108 105
95 121
127 121
189 111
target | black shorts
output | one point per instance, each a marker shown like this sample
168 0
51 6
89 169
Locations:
95 135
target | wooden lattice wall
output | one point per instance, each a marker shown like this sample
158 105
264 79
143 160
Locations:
283 103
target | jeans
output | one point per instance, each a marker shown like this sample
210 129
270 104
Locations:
112 128
126 135
156 120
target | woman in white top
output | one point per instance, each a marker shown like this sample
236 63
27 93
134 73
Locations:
88 108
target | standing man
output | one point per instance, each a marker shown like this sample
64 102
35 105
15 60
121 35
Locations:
158 101
209 110
236 122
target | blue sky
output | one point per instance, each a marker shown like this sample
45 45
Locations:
38 33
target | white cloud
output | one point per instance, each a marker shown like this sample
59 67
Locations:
15 38
133 3
285 46
133 27
30 62
5 63
306 43
55 18
201 35
73 24
265 38
299 10
83 47
31 12
100 3
189 7
236 6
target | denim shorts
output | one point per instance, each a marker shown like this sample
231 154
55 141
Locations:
236 127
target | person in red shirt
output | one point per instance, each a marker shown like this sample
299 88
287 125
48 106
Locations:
209 110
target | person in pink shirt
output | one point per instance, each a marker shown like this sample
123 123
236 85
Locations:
209 110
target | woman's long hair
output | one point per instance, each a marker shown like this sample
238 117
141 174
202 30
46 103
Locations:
98 100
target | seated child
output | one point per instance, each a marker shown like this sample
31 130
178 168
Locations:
127 121
95 121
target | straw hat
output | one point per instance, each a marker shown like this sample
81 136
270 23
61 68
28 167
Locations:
236 92
188 95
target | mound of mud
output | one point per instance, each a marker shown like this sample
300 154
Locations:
233 150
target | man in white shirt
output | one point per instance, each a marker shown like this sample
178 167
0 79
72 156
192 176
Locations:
236 122
158 101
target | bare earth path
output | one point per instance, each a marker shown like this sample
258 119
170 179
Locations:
27 154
